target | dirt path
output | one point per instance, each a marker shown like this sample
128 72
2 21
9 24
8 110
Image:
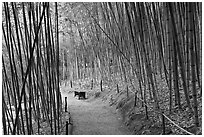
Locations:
94 118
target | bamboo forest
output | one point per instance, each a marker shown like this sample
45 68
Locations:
101 68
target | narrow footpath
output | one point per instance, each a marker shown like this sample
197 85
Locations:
94 117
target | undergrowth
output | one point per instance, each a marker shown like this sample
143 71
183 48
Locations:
135 117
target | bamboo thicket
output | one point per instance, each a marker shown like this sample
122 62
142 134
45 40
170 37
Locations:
30 68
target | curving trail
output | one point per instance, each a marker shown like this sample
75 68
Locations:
94 118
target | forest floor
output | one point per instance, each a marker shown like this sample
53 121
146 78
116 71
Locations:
112 113
92 116
109 112
98 114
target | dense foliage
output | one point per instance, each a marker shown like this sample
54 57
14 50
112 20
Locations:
154 49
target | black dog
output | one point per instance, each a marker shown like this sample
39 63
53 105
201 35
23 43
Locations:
76 93
82 95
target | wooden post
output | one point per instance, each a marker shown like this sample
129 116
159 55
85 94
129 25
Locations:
101 86
70 83
135 99
92 84
146 111
67 124
117 89
127 92
163 123
65 104
69 120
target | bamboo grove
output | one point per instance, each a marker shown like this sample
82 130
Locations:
30 68
138 44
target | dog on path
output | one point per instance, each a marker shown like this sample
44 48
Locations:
80 94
